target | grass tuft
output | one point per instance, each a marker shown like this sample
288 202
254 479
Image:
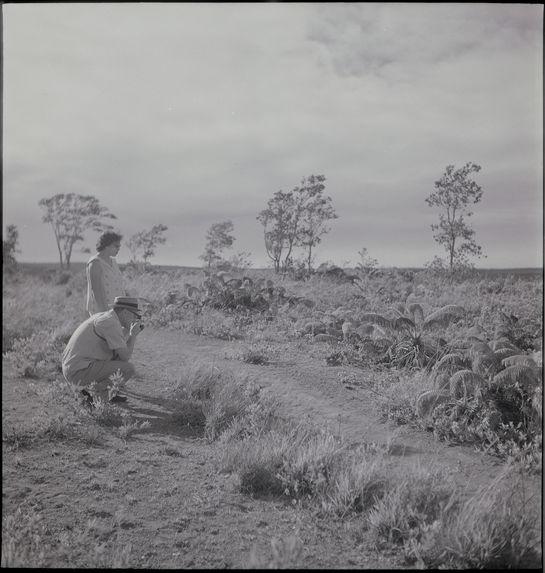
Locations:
413 504
497 527
285 553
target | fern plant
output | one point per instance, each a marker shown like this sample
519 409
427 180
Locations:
413 339
489 394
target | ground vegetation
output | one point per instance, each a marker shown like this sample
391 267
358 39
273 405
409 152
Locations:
281 423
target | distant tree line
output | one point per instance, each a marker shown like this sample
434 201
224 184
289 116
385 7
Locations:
298 219
71 215
293 221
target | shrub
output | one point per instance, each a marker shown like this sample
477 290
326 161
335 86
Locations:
487 395
413 340
36 356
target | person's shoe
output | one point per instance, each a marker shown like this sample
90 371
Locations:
87 399
118 398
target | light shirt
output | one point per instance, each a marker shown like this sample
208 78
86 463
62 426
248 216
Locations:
95 339
112 282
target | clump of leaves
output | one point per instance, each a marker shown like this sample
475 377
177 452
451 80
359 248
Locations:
489 398
222 291
522 332
413 342
346 353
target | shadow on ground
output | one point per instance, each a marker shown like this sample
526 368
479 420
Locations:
161 417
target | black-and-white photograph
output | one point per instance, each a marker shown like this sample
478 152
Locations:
272 285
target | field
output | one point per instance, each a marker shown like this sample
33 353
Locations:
365 419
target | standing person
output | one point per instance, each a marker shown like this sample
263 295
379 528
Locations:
104 278
98 347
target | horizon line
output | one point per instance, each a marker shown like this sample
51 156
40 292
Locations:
267 268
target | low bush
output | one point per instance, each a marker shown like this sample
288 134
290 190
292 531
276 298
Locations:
37 356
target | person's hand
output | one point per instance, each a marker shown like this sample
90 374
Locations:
136 328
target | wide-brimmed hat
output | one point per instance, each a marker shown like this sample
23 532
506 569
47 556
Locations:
128 303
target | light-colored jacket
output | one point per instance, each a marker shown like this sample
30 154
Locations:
95 339
112 283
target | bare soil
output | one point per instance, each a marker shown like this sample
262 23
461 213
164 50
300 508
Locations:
160 498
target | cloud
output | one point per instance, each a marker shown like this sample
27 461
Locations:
380 39
187 114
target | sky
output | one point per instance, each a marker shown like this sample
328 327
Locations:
190 114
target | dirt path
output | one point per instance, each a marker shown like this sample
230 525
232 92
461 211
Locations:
308 388
158 499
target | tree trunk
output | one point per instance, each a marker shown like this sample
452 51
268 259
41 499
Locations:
69 255
58 247
451 254
309 259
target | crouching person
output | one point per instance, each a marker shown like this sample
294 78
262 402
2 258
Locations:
99 348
